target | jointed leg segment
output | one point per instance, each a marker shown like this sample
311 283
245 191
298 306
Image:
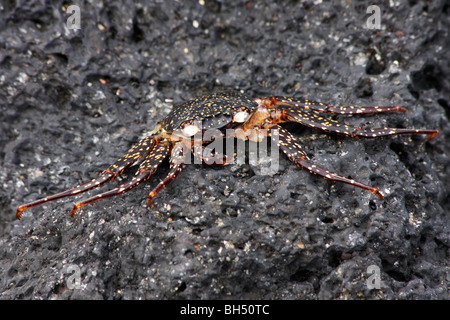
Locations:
326 108
177 160
293 151
329 125
146 169
134 154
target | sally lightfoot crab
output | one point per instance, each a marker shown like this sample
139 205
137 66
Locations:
226 112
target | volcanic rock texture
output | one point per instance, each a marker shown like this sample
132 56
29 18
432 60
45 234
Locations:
73 101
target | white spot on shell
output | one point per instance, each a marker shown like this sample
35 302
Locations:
190 130
240 117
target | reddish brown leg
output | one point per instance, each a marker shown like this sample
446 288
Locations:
177 159
292 149
134 154
329 125
326 108
146 169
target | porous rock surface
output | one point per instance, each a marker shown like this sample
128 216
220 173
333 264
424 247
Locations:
73 101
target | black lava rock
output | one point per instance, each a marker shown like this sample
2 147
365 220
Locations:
74 100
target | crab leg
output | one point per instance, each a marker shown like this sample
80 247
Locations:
146 169
329 125
134 154
177 159
294 152
326 108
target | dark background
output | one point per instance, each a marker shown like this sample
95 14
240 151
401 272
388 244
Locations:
73 101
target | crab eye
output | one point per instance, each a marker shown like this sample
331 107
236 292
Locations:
241 116
190 130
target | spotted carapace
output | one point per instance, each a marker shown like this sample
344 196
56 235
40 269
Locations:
249 118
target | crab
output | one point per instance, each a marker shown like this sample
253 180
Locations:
232 111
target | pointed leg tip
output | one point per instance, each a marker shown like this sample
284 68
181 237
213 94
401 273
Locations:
19 212
377 193
400 109
74 210
432 135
